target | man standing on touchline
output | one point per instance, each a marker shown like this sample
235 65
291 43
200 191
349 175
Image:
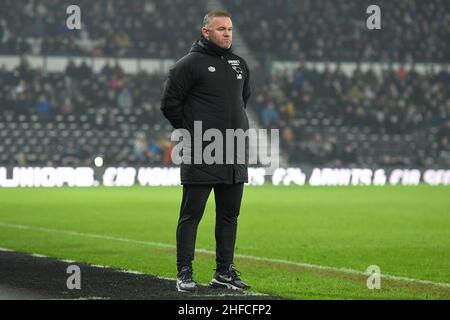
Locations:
210 84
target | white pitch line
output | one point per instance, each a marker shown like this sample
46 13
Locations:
248 257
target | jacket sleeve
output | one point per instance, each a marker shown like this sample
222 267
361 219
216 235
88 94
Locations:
246 93
176 89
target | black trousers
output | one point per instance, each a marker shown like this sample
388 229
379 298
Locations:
228 202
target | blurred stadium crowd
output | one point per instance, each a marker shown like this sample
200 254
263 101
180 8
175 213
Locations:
327 118
116 28
326 30
69 118
336 30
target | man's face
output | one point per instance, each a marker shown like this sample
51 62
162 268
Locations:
219 32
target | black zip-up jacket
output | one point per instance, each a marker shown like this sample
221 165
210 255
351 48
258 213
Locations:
209 84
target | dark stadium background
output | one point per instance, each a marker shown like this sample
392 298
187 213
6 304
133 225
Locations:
342 95
354 106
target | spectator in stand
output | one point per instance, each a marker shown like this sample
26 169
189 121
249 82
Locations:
270 116
67 106
154 153
167 154
43 107
140 148
125 99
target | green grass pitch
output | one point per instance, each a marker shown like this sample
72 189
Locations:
285 235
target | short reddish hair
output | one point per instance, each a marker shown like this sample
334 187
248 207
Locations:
214 14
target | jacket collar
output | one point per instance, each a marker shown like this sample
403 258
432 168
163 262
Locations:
205 46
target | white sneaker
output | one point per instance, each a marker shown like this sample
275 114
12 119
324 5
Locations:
185 283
